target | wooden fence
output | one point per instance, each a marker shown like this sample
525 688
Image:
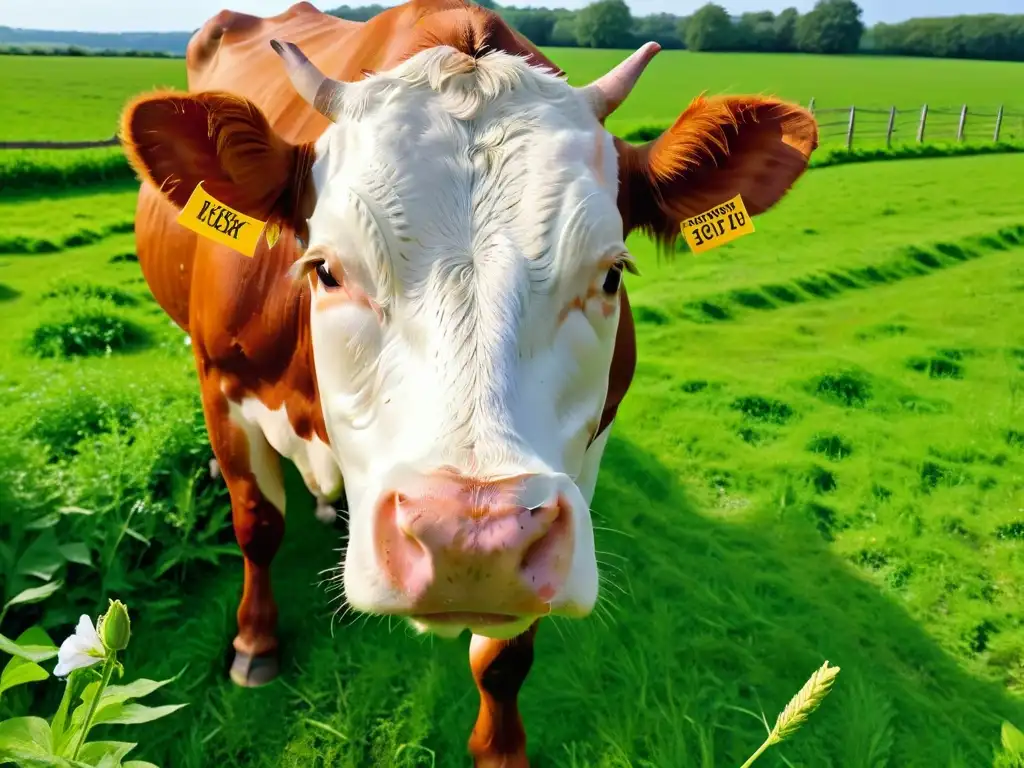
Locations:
847 125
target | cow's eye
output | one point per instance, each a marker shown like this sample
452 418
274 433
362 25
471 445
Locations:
613 280
323 273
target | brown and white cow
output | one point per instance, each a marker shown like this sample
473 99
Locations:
443 322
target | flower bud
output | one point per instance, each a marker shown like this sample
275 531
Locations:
115 627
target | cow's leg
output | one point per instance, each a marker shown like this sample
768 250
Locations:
252 471
259 528
499 668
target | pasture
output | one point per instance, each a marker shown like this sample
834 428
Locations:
59 98
821 457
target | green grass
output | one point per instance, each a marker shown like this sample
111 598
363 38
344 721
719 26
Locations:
62 98
843 228
44 170
674 77
827 465
826 157
39 224
42 224
38 173
80 98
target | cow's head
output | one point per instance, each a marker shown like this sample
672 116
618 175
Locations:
466 221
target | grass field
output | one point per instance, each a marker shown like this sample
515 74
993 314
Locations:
822 457
75 98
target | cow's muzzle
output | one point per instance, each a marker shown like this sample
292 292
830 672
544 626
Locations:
466 552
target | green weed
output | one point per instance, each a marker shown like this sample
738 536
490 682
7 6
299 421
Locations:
42 171
832 446
77 290
87 327
851 388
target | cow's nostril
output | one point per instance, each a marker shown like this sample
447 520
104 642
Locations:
403 556
544 562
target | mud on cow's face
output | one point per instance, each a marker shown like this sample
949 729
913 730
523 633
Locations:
465 260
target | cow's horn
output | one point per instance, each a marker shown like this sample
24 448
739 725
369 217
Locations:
323 92
610 90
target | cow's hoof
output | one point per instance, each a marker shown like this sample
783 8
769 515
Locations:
253 671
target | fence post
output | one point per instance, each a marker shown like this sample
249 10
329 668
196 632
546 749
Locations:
999 123
849 130
810 105
889 128
963 119
920 128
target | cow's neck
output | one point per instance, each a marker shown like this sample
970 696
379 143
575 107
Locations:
263 348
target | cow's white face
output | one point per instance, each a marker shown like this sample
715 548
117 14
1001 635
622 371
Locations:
464 263
465 255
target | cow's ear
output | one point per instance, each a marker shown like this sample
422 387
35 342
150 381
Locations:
717 149
177 140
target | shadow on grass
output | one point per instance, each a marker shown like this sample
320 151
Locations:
710 624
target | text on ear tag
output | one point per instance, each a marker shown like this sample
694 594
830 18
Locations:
722 224
207 216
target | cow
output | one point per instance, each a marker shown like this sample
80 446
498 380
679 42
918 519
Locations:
440 331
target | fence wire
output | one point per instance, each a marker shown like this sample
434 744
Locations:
851 126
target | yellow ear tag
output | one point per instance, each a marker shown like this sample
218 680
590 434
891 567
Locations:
273 233
719 226
207 216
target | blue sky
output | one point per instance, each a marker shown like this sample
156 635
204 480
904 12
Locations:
177 15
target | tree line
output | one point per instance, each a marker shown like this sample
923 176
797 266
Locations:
985 36
76 50
832 26
39 41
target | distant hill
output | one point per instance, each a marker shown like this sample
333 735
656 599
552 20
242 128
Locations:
165 42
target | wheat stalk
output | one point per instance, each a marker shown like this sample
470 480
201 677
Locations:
799 707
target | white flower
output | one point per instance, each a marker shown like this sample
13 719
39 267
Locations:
81 650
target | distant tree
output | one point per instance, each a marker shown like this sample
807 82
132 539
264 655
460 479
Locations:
604 24
356 13
834 26
710 29
536 25
564 32
660 27
681 26
785 30
984 36
490 4
756 31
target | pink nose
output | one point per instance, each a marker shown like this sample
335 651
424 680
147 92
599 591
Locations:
456 545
